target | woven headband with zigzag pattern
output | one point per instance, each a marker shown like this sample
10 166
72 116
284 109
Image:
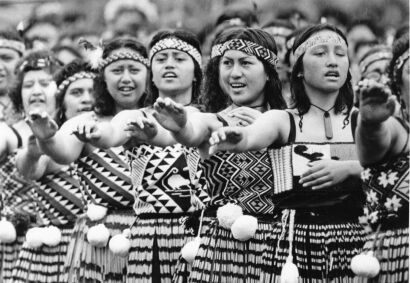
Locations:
247 47
77 76
121 56
318 40
178 44
13 44
383 55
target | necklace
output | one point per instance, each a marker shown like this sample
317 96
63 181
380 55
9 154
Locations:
327 121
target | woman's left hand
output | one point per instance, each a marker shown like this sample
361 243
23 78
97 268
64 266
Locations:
246 115
326 173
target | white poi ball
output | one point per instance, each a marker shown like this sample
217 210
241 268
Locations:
227 214
190 249
8 232
120 245
34 237
244 227
96 212
365 265
52 236
98 235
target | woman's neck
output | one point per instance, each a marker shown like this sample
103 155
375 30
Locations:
184 98
324 100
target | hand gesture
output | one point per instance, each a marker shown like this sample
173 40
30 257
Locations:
41 124
246 115
142 128
325 173
170 115
225 138
376 101
33 148
88 131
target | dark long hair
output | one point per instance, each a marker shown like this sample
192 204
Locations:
344 100
190 38
214 99
104 103
29 63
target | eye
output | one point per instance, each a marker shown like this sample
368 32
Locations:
246 63
226 62
116 71
159 59
134 70
180 59
6 58
76 92
27 84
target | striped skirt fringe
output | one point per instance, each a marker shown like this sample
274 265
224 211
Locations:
44 264
222 258
155 249
87 263
392 251
8 257
322 252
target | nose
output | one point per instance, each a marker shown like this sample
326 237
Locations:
236 70
169 63
331 60
126 77
88 97
37 89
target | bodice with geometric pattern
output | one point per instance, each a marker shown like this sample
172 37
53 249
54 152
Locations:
59 198
166 180
105 177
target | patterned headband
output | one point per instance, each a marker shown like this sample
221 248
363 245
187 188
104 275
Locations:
247 47
121 56
77 76
398 64
12 44
384 55
178 44
317 40
40 63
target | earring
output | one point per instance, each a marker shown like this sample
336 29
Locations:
300 75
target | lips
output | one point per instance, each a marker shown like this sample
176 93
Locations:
34 100
85 109
237 85
332 74
169 75
126 88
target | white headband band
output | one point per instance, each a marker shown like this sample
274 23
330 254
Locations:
317 40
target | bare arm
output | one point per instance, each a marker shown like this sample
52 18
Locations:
271 127
61 145
30 161
378 134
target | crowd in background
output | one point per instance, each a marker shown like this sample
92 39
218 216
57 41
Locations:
242 151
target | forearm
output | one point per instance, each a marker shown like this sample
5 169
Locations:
111 135
31 165
192 135
354 168
373 141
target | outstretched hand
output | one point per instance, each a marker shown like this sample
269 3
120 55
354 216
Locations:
88 131
33 148
141 127
170 115
225 138
246 115
376 101
42 125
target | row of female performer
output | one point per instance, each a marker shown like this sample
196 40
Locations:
143 175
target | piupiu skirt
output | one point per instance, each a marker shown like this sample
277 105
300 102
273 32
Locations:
87 263
8 257
222 258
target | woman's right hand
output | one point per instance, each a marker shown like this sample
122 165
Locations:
88 131
170 115
142 128
41 124
376 101
225 139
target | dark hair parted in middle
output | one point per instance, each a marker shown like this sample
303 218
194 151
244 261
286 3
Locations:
104 103
344 100
189 38
214 99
